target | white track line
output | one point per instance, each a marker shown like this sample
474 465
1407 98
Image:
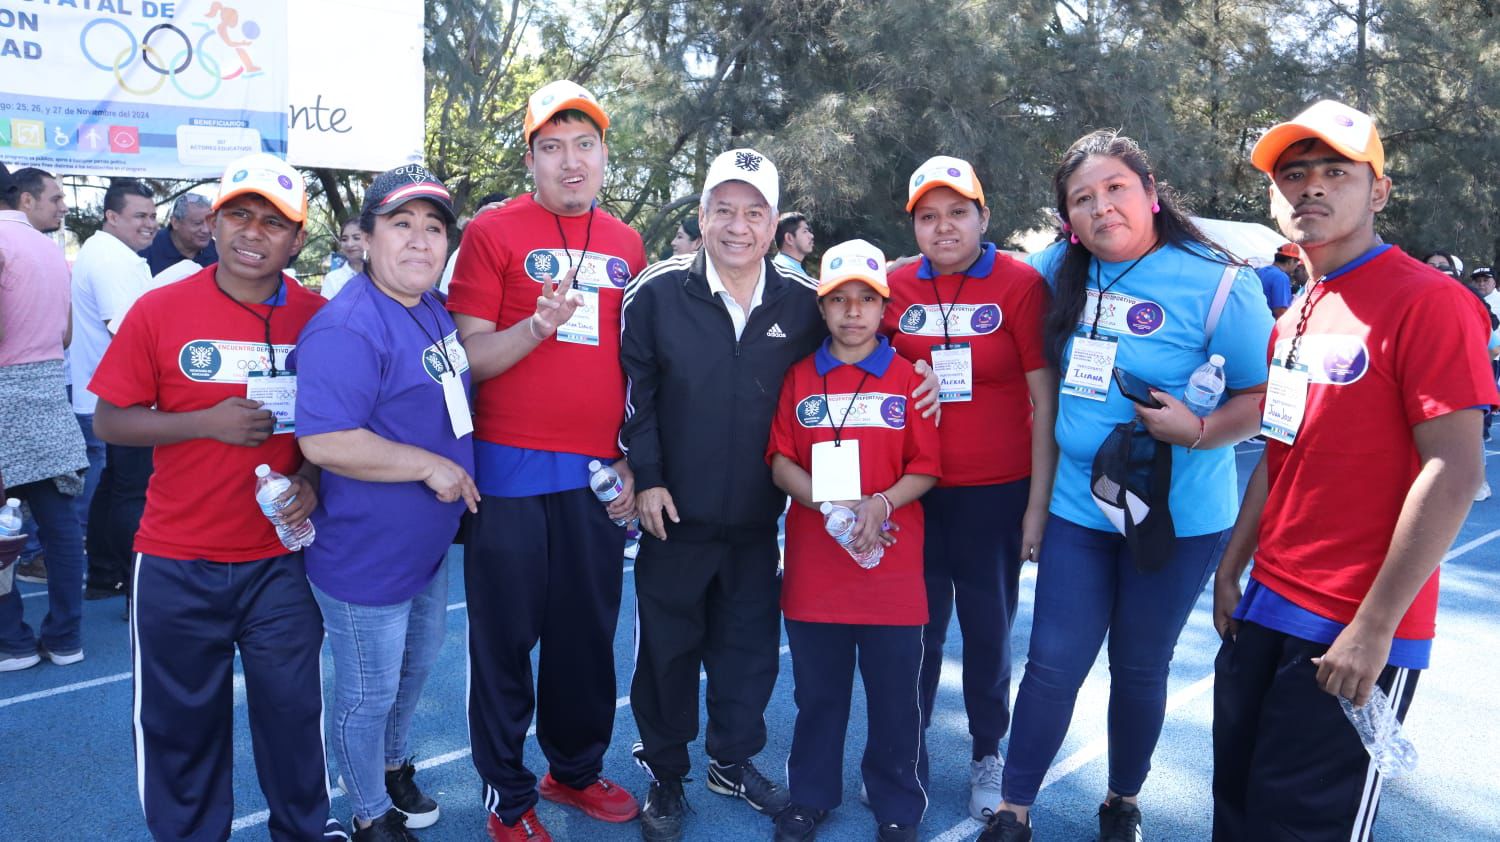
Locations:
66 688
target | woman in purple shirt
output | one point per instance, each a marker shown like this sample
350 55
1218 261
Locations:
382 408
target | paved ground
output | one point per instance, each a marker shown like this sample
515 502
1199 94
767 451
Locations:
67 769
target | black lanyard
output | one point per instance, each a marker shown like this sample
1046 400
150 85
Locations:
1307 307
441 341
1099 304
948 340
838 431
588 236
265 320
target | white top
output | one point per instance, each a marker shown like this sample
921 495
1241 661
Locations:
335 280
107 278
448 272
785 261
737 314
1493 299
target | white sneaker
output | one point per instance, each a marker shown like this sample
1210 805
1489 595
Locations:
984 786
1484 492
61 659
19 662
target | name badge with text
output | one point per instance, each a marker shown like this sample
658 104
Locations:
1286 402
954 366
277 394
1090 366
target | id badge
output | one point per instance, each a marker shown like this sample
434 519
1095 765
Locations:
835 471
458 405
277 394
1286 402
954 366
583 327
1090 366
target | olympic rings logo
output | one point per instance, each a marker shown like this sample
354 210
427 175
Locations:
172 69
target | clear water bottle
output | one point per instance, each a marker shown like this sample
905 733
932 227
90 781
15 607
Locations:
10 519
1205 387
839 521
270 485
606 483
1380 731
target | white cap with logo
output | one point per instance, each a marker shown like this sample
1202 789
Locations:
748 166
269 177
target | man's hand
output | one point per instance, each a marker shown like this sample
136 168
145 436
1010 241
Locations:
1226 596
555 305
654 506
623 507
239 421
1353 662
926 394
300 498
451 482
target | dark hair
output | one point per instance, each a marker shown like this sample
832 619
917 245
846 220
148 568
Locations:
31 180
567 115
491 198
788 224
353 220
690 227
119 188
1453 270
1173 227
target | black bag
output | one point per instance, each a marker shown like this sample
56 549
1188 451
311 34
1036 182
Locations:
1132 485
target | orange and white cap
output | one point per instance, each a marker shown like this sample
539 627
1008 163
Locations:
269 177
561 96
943 171
853 260
1350 132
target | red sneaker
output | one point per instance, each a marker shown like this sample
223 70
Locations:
603 799
528 828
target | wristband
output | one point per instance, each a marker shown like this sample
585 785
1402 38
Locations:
888 507
531 329
1202 427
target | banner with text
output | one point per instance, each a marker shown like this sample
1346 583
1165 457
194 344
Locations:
142 88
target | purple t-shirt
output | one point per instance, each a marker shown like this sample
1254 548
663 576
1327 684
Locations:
366 361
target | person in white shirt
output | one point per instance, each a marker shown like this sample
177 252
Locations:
794 241
352 247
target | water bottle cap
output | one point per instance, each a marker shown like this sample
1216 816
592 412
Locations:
1217 359
826 508
262 470
594 465
12 501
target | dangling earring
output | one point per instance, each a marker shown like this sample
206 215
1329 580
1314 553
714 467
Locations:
1156 207
1073 238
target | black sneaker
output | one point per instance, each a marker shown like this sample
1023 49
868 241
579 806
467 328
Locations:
798 823
390 827
743 780
1005 827
401 786
664 812
896 833
1119 821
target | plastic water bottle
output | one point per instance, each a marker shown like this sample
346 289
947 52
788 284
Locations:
839 521
10 519
606 483
1205 387
270 485
1380 731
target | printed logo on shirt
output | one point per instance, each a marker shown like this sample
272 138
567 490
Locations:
227 361
1123 314
776 332
597 269
873 409
963 320
432 357
1332 359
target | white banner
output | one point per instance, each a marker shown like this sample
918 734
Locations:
142 88
357 96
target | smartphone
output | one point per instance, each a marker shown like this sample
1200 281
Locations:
1135 388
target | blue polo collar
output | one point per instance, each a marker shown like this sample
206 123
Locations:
980 268
1374 252
876 363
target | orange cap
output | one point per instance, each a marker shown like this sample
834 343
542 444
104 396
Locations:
561 96
1289 250
943 171
853 260
1351 133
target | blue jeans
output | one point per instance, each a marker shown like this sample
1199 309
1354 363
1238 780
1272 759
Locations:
381 657
1087 585
61 630
94 447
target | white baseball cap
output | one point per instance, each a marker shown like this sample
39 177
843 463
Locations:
748 166
944 171
269 177
853 260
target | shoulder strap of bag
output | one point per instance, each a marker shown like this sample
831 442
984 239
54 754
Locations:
1221 297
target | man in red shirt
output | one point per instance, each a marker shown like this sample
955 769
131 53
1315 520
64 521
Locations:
1378 376
184 375
536 296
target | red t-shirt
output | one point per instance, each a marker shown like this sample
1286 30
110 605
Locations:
998 312
822 584
565 396
1388 345
186 347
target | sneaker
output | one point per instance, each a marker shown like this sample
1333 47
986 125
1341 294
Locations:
603 799
896 833
798 823
11 663
1480 496
743 780
984 786
1119 821
333 831
401 786
664 812
34 571
390 827
61 659
1005 827
528 828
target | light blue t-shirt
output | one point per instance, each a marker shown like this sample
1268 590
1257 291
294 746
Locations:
1158 313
